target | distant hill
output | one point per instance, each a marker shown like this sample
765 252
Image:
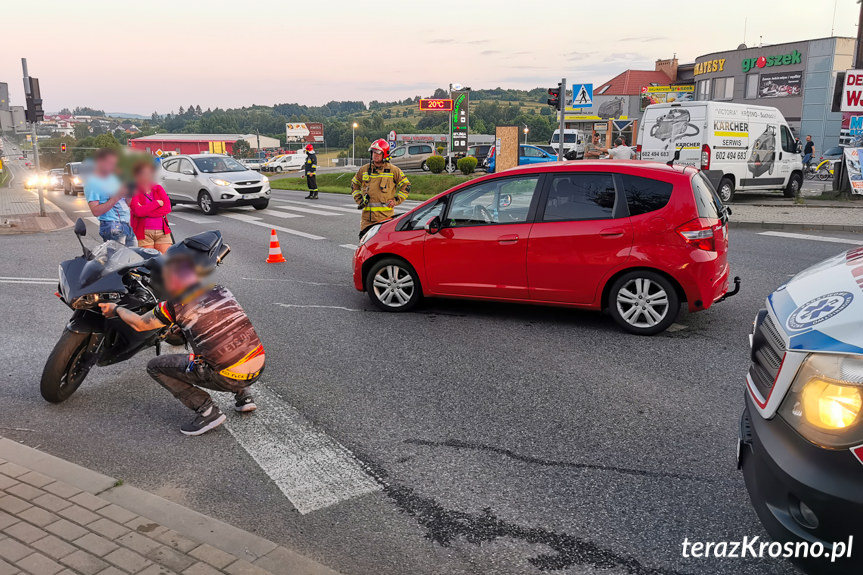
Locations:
126 115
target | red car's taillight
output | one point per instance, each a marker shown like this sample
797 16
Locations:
638 151
699 233
705 157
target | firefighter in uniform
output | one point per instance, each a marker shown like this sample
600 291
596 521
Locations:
310 169
379 187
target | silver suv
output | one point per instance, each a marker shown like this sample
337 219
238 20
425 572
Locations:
212 181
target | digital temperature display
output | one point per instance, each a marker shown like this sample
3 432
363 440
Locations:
435 105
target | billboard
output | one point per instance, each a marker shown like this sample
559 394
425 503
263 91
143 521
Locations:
852 91
296 132
663 94
603 108
316 132
780 85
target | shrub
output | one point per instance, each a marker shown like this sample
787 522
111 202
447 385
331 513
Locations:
440 150
467 165
436 164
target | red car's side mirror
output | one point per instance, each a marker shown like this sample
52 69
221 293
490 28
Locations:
433 226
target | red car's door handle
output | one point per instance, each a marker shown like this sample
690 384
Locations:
508 239
611 233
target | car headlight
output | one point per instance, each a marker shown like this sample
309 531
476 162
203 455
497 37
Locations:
825 403
370 234
76 180
265 179
219 182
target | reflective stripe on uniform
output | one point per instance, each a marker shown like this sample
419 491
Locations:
356 193
377 209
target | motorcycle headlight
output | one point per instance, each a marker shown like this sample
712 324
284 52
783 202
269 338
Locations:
219 182
825 403
369 234
92 299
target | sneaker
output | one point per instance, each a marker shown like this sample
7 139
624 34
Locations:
208 418
244 402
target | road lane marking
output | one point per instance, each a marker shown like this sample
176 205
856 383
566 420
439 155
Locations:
281 214
257 222
812 238
349 246
294 281
323 206
308 210
311 306
37 281
194 219
310 468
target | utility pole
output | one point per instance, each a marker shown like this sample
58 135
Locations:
562 137
28 92
858 58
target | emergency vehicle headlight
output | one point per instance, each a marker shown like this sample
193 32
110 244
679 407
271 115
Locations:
825 403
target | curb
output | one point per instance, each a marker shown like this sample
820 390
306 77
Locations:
858 228
242 544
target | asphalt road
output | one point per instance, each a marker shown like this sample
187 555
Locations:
499 439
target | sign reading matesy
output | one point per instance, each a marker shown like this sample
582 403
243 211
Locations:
852 91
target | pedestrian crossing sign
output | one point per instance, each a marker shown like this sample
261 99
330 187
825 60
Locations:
582 95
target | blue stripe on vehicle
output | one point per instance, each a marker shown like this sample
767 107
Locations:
815 340
783 305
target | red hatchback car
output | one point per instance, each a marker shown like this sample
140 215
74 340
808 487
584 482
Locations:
635 238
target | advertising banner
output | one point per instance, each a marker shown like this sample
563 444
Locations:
603 108
852 164
296 132
460 120
780 85
663 94
852 91
316 132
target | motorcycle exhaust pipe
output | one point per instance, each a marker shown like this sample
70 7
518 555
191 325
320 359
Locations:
226 249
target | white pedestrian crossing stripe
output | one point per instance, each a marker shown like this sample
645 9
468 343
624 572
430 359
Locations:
312 469
280 214
257 222
190 218
308 210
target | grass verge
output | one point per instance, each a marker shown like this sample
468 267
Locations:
423 186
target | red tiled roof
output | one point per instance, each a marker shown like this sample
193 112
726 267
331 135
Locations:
630 82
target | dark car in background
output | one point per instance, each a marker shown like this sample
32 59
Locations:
73 178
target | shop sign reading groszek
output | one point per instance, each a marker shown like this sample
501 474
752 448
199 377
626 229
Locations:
794 57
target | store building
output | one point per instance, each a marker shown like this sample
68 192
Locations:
798 78
200 143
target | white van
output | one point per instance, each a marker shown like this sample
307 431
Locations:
572 140
285 162
737 146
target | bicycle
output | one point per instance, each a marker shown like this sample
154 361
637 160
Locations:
810 170
824 170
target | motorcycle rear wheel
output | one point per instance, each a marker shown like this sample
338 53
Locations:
63 374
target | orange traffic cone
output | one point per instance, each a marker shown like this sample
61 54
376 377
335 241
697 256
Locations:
276 256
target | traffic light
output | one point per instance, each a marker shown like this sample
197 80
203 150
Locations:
34 111
63 148
554 97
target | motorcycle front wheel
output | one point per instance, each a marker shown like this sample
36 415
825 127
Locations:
63 372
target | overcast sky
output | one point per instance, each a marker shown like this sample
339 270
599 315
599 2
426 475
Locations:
140 57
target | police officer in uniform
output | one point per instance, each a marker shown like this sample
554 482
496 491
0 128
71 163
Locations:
310 169
379 187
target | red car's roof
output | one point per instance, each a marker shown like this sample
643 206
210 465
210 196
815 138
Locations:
596 165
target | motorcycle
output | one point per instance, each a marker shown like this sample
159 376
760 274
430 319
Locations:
111 273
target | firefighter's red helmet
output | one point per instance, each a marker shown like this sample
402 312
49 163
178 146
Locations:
381 146
310 148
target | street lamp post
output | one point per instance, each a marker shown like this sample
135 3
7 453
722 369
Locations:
354 144
526 130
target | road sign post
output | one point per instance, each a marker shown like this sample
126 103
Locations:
562 107
28 92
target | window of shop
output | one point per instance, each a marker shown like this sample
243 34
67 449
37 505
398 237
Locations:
751 86
703 90
723 88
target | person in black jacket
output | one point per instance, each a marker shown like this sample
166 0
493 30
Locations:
310 169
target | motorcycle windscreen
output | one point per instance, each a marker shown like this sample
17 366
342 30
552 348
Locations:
109 258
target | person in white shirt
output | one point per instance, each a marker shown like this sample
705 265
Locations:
620 151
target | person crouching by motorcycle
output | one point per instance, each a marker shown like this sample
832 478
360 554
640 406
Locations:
227 354
310 170
379 187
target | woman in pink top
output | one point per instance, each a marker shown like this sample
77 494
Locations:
149 206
